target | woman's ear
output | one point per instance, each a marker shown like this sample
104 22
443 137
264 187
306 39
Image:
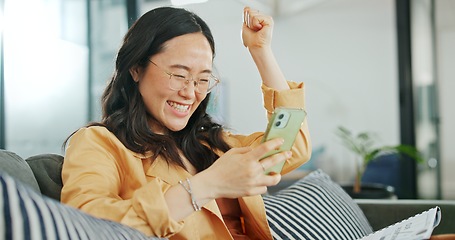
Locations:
135 73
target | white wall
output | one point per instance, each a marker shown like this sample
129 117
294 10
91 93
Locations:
344 51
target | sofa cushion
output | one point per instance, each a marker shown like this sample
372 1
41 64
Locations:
47 169
15 166
26 214
315 207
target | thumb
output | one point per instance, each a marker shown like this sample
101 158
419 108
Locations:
254 20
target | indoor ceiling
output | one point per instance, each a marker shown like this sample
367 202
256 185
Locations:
282 8
276 8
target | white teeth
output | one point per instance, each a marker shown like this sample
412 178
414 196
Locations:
179 107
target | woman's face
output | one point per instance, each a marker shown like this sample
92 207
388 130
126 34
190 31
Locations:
189 53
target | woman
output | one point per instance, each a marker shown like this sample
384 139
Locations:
157 161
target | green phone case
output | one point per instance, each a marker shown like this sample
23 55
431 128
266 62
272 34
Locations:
284 123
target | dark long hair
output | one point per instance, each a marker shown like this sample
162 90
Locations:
124 112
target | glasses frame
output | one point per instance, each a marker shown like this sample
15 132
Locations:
187 81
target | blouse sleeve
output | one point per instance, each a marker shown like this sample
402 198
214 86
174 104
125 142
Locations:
292 98
106 180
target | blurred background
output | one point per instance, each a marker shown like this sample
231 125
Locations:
369 65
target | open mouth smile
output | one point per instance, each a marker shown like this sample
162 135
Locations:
179 107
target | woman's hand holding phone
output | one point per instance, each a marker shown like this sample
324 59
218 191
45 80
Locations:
240 171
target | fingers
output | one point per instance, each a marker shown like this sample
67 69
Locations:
251 19
262 165
259 151
261 183
246 17
256 29
271 150
275 159
255 20
240 171
265 181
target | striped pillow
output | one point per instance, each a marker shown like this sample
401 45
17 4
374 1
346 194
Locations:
26 214
315 208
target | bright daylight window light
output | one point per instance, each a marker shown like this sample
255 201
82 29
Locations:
2 20
185 2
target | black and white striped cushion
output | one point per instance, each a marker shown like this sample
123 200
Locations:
315 208
26 214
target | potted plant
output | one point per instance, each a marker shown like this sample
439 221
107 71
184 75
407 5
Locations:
363 145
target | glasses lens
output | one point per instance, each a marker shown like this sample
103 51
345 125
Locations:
177 82
204 85
207 85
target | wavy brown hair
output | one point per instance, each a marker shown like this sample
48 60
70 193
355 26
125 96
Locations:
123 110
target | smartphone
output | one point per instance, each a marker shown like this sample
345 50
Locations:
284 123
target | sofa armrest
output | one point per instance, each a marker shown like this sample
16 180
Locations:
15 166
382 213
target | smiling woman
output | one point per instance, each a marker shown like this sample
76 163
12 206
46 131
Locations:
157 161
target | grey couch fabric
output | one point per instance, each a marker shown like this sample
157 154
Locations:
42 172
15 166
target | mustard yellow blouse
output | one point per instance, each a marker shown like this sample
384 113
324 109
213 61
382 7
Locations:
105 179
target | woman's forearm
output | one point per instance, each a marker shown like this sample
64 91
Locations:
268 68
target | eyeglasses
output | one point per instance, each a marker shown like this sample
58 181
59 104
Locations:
179 82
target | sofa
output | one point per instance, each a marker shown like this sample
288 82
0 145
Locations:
39 177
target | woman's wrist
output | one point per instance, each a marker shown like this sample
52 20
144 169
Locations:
260 52
186 197
202 192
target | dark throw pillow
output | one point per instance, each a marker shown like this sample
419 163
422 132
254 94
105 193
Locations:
47 169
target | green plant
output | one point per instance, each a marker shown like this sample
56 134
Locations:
363 145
